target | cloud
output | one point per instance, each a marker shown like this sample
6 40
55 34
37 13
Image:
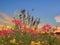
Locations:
57 18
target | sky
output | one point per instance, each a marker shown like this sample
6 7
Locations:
47 10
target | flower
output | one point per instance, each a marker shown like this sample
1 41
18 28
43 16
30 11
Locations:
43 29
30 30
27 29
54 28
33 32
19 23
46 27
35 43
13 41
3 33
10 31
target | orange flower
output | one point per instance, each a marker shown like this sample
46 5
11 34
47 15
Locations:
35 43
12 41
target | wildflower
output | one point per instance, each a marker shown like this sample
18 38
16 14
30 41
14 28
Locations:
13 41
43 29
55 28
17 22
10 31
27 29
30 30
46 27
3 33
33 32
35 43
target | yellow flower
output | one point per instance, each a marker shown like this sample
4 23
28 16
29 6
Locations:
13 41
8 27
35 43
27 26
0 28
32 43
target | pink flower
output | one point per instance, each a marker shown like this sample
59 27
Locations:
30 30
43 29
46 27
55 28
10 31
27 29
3 33
19 23
33 32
